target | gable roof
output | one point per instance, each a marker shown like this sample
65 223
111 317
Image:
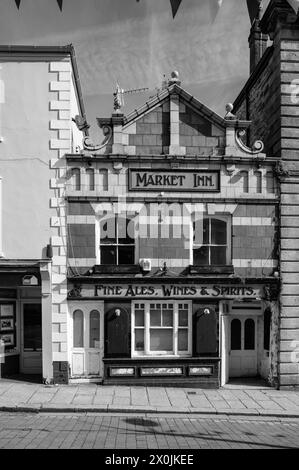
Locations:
186 97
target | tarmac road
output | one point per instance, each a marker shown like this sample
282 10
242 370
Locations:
145 431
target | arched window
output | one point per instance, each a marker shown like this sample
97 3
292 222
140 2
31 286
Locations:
78 329
235 340
249 334
210 242
94 329
90 179
76 179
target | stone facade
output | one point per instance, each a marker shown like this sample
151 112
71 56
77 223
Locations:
270 100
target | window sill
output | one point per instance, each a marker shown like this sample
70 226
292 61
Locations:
116 269
228 269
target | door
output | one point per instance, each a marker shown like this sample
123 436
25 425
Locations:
87 341
118 332
31 338
243 347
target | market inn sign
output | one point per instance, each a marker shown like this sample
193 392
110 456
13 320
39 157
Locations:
170 291
174 180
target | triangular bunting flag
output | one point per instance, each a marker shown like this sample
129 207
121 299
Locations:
175 6
18 3
60 2
294 4
253 8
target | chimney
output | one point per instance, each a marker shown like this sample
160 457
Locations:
257 40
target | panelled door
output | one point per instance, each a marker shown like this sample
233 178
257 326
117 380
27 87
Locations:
243 346
87 340
31 338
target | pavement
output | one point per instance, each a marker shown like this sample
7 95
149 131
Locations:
232 399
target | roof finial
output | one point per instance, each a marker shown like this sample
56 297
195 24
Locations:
229 115
174 78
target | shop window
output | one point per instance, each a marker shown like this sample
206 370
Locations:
76 179
235 340
78 329
94 329
267 328
249 334
161 328
211 242
117 245
90 179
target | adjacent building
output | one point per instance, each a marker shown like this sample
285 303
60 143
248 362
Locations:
39 92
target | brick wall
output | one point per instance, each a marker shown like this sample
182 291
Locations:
199 135
259 102
152 132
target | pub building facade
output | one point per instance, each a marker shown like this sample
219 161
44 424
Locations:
172 248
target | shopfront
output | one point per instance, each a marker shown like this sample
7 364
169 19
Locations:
199 333
20 321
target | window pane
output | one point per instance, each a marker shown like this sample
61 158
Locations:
125 231
183 339
139 317
218 228
155 317
218 255
201 256
108 254
167 317
161 340
183 317
126 254
139 340
206 231
108 230
32 327
249 342
203 227
235 342
78 329
94 329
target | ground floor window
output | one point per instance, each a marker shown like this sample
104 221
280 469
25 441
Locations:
160 328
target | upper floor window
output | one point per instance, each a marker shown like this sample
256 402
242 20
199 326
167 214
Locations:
117 242
211 242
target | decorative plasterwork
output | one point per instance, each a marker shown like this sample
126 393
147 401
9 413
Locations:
91 147
257 147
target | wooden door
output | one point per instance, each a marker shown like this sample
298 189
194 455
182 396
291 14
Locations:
118 331
31 338
243 347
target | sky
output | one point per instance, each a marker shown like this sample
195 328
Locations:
135 44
